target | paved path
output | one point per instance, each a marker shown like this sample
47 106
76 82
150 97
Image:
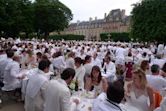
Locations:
12 106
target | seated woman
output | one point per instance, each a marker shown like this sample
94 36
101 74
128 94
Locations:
138 93
94 81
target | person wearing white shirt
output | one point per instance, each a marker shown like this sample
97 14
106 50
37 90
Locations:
82 54
95 60
87 65
114 96
36 87
120 53
158 61
109 68
80 72
59 62
156 81
58 94
160 49
2 55
11 71
70 60
3 58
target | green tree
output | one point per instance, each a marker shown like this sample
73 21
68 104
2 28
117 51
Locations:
148 21
15 17
51 15
27 24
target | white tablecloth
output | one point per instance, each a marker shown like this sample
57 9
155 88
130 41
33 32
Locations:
85 101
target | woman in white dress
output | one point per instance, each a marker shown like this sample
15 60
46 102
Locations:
80 72
93 82
96 80
138 93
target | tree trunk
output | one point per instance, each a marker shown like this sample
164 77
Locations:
46 35
26 35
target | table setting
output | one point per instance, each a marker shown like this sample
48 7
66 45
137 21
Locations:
85 99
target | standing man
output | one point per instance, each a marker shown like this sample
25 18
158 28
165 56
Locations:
11 71
155 80
58 93
37 84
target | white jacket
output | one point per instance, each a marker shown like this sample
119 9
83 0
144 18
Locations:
57 96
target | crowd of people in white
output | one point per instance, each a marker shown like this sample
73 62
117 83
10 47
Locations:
121 75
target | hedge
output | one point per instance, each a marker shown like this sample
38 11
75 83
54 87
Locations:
123 37
67 37
55 37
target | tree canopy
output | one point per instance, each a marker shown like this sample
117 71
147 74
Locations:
41 16
148 21
51 15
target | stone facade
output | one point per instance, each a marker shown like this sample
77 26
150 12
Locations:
115 21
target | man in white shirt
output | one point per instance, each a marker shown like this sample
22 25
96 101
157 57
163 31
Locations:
120 53
95 60
3 58
11 71
158 61
160 49
156 81
115 94
36 87
58 93
2 55
59 62
109 68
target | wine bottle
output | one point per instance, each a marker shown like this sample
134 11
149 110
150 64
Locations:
76 85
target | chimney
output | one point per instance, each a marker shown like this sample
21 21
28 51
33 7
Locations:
78 22
95 18
123 13
90 19
105 15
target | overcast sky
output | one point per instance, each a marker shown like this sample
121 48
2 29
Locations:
83 9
